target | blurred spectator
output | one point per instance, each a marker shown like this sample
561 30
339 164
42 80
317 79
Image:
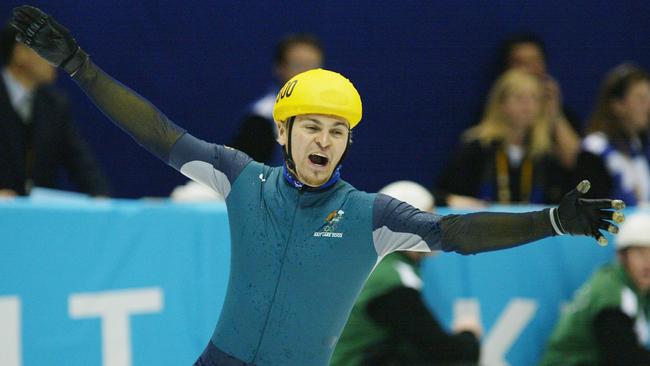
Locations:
616 152
508 157
256 136
607 321
527 51
37 136
390 324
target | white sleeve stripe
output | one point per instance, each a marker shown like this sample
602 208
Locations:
556 225
387 241
205 173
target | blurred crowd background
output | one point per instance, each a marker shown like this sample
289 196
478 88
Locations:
424 70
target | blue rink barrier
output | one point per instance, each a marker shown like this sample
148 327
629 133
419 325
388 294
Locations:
120 283
518 293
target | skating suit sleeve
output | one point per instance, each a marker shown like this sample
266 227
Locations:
214 165
400 226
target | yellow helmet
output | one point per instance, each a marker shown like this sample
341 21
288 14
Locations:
318 91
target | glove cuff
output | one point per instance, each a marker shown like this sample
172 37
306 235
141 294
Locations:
555 221
74 62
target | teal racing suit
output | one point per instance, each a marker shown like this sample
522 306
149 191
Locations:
299 257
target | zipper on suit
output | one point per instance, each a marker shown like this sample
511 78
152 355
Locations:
277 284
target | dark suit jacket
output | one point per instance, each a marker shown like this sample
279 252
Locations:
44 146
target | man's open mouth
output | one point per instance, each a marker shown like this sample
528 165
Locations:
318 159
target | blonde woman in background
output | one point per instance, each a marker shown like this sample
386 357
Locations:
509 156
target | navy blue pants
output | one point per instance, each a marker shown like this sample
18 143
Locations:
213 356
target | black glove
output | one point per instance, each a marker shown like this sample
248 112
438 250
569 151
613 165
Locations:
49 39
579 216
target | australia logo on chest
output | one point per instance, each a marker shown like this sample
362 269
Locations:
331 222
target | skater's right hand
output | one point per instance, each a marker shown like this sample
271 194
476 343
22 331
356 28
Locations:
52 41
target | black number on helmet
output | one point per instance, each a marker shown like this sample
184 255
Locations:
290 87
287 90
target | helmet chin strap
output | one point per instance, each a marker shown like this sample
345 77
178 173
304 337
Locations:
287 150
291 164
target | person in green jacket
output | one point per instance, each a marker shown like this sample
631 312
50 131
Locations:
390 325
607 321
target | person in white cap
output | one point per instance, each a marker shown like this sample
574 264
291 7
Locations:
390 325
607 321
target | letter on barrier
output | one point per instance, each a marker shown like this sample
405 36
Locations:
114 309
10 336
